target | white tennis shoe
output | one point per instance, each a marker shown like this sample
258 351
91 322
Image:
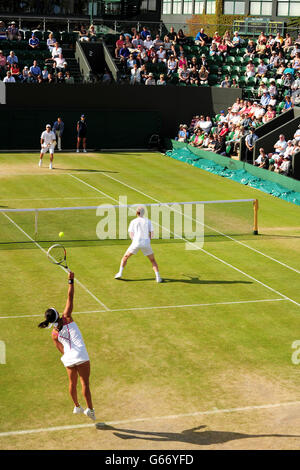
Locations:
118 276
77 151
78 410
159 279
84 150
40 162
90 413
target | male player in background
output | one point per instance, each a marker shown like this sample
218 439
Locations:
58 129
48 142
140 231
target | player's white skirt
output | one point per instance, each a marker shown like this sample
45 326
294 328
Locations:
144 247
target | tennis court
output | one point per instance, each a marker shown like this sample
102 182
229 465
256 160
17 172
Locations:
203 360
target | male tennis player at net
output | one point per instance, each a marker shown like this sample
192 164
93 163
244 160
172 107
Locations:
140 231
68 340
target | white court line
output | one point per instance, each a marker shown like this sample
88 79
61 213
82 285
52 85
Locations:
92 187
44 251
154 308
211 228
152 418
50 198
192 244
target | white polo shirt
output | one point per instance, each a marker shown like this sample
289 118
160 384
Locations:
48 137
140 227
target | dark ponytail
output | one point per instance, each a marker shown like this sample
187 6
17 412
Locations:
44 324
50 316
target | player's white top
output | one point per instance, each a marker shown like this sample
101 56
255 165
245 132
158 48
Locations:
48 138
74 347
140 227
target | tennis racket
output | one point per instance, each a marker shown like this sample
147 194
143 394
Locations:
57 255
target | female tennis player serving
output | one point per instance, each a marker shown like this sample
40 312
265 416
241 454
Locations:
68 340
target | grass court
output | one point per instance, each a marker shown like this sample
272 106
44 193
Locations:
201 361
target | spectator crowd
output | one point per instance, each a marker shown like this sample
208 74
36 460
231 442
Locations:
265 60
222 134
52 69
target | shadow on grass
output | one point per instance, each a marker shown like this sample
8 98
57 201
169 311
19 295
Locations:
188 436
86 170
192 280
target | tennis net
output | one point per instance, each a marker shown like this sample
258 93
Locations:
193 220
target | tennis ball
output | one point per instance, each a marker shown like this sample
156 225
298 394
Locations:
61 234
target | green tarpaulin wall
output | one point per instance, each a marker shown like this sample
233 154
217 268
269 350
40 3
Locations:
267 181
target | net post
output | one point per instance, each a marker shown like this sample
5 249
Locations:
36 214
255 209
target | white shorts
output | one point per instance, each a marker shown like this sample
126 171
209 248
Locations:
146 249
45 149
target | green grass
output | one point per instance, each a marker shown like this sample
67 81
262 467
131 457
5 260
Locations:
169 360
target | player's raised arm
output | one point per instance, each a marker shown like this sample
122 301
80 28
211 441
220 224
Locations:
69 305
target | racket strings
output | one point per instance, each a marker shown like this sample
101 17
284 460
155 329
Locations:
57 254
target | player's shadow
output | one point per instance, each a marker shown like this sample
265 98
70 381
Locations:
188 436
191 280
86 170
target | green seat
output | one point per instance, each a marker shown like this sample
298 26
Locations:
230 135
214 68
279 83
236 69
242 51
230 60
226 69
174 79
204 50
218 59
280 106
213 79
194 50
251 81
239 61
249 92
242 81
234 52
39 35
28 35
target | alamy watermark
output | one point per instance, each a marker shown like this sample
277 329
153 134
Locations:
296 353
2 352
183 221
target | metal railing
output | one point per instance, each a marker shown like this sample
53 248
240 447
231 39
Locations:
85 69
117 26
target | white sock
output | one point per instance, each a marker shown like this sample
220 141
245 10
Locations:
121 269
157 275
